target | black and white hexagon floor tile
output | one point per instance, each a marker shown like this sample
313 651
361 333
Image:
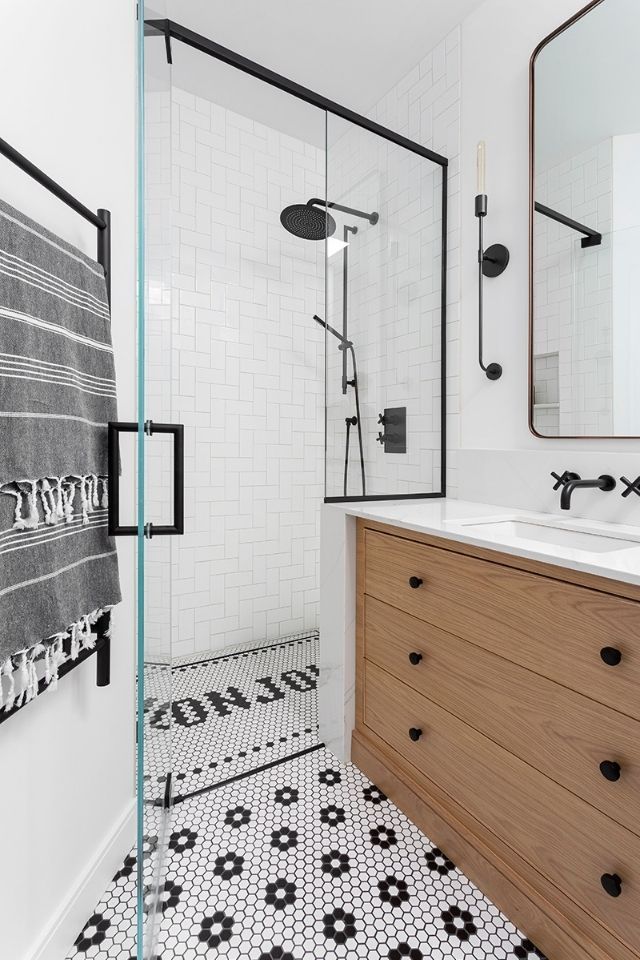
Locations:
304 860
230 713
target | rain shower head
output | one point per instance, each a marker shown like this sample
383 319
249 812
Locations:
307 222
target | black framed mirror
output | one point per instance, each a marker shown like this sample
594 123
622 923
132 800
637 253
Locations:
584 280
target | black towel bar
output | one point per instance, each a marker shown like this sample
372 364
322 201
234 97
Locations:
101 220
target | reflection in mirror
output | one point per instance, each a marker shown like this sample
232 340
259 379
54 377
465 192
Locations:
585 278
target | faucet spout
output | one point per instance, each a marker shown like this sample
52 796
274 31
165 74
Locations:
603 482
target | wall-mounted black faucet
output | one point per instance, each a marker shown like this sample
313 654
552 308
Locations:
604 482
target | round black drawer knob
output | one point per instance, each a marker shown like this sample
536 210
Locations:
611 656
415 733
610 770
415 582
612 883
415 658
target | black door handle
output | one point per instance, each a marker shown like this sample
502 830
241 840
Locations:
415 733
415 582
113 467
415 658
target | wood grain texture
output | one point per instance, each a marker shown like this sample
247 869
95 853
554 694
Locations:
558 834
562 733
545 915
552 628
551 570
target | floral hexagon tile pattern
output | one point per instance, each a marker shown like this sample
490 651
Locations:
300 859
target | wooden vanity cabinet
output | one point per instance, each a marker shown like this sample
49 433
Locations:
498 704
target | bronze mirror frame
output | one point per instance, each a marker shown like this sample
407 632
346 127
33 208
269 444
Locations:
543 43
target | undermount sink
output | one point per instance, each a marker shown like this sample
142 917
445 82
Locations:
572 537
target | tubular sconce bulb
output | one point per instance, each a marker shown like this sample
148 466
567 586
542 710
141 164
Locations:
482 167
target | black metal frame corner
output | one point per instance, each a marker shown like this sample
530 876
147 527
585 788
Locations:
101 220
169 29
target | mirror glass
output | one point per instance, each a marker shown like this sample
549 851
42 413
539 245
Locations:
585 263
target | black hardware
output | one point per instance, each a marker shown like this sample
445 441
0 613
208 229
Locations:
415 582
213 49
345 345
611 656
564 478
113 461
604 482
612 884
415 658
415 733
395 440
371 217
103 662
102 649
177 527
178 32
591 239
101 219
610 770
491 263
633 486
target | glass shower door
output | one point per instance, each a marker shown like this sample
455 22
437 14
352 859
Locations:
230 349
159 461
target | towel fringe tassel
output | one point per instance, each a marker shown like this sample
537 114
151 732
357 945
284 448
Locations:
19 681
56 496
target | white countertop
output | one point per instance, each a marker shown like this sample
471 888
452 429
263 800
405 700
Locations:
448 518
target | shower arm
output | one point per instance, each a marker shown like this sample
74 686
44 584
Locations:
371 217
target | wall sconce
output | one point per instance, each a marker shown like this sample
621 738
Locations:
491 262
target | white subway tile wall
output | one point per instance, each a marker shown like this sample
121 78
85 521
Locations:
573 293
394 288
233 353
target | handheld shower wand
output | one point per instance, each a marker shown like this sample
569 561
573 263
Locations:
345 345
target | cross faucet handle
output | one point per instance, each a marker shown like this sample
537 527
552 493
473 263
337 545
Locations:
564 478
633 486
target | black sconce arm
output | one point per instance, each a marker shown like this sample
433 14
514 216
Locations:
491 263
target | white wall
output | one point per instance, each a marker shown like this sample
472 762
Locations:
66 760
497 42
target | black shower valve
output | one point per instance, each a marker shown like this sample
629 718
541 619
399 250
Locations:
382 419
632 486
563 478
380 438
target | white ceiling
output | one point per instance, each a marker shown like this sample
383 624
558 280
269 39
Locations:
352 51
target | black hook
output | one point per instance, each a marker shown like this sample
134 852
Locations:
633 486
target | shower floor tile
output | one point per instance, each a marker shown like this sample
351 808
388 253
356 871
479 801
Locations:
303 860
230 714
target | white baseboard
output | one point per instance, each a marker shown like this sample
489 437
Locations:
60 934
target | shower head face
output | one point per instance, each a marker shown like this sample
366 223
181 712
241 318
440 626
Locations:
307 222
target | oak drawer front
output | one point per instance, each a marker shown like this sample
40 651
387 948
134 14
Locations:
563 734
555 629
561 836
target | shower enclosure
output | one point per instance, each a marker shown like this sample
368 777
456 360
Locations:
292 334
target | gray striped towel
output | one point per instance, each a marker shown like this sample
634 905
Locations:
58 567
